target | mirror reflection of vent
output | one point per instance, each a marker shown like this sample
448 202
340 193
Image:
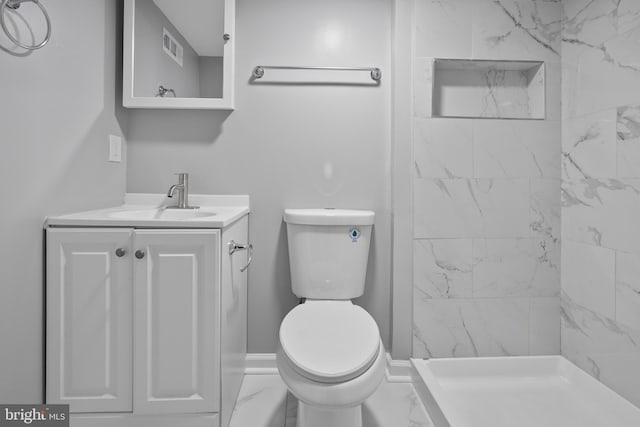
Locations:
171 46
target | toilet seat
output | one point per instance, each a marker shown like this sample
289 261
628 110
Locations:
329 341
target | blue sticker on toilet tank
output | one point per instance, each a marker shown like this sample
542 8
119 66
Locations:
354 233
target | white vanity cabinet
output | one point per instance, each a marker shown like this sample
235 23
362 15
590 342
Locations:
89 319
176 305
145 326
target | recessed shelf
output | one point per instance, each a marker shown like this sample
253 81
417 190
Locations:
488 89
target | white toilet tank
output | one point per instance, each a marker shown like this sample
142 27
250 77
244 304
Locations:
328 251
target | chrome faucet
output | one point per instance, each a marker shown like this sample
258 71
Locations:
182 187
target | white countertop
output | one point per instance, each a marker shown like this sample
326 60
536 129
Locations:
149 210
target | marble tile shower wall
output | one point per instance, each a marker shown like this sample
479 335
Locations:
601 190
486 191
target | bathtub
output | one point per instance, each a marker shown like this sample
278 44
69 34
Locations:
537 391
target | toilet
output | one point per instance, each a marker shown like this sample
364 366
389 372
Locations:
330 354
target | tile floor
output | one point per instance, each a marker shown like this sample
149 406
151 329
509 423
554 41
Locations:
265 402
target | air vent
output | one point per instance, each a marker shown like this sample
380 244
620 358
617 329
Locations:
171 47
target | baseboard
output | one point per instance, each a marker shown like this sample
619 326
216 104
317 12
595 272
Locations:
397 371
261 364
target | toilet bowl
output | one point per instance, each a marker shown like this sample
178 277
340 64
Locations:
331 358
330 354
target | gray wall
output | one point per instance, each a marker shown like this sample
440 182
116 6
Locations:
287 145
211 79
58 106
153 66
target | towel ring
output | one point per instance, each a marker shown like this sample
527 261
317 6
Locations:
162 91
15 4
234 247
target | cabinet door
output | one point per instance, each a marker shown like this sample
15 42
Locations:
88 356
176 335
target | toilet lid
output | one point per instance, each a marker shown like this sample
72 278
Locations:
330 341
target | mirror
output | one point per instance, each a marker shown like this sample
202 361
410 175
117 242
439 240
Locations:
178 54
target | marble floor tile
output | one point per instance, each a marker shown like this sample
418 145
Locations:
261 402
395 405
264 401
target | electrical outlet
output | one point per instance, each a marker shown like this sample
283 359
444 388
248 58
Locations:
115 148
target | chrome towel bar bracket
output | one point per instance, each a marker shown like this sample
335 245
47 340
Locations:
14 5
375 73
234 247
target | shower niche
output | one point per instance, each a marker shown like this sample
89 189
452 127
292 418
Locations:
495 89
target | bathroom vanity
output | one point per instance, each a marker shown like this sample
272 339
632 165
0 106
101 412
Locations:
146 312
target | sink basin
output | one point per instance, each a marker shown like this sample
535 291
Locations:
167 214
151 211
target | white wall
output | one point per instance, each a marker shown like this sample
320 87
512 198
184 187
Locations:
287 145
58 106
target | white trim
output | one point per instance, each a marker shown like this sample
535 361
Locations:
398 371
402 179
129 100
425 396
261 364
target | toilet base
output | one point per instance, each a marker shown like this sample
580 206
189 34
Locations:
312 416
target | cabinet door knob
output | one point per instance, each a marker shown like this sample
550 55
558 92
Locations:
139 254
120 252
